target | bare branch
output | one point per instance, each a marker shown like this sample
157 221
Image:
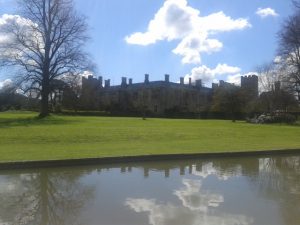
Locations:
46 42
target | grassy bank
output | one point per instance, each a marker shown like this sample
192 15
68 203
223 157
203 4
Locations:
22 137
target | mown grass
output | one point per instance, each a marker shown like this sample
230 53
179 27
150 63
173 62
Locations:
24 137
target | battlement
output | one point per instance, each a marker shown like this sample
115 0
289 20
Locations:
157 97
250 84
249 78
92 82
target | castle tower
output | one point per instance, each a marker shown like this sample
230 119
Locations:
91 83
250 85
199 83
107 83
182 80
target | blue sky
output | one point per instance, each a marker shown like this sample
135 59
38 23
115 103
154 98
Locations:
204 39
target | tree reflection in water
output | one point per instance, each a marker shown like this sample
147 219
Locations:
46 197
279 180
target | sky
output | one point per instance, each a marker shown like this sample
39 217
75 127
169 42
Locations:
203 39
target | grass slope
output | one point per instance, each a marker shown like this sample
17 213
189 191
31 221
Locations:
23 137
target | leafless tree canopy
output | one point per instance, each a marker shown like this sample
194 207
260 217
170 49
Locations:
46 43
289 48
268 75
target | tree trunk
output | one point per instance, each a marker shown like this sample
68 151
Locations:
45 80
44 112
233 117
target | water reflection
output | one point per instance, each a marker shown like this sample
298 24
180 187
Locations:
44 197
228 191
196 198
276 178
198 206
210 169
168 214
279 180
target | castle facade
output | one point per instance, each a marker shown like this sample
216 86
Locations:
156 97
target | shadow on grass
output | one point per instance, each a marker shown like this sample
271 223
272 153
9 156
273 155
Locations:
34 121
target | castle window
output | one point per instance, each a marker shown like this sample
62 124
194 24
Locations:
155 108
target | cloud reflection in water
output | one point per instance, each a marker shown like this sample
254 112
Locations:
198 206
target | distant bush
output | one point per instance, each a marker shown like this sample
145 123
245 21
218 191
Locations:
285 118
274 118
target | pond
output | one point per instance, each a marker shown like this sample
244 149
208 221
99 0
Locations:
222 191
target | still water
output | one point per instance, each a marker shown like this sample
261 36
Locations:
228 191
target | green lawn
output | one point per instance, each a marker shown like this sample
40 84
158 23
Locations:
23 137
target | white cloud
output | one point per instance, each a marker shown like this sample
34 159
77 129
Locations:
209 169
197 206
207 75
225 69
165 214
175 20
219 22
195 198
8 20
25 27
234 79
86 74
191 47
5 83
266 12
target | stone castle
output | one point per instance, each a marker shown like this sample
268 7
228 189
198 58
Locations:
156 97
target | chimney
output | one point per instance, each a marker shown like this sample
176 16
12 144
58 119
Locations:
107 83
167 78
146 78
181 80
124 81
199 83
100 79
190 81
130 81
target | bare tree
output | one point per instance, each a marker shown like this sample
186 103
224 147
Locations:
275 89
289 49
268 75
46 43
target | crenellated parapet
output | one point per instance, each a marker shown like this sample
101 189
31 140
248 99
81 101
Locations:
250 85
158 97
